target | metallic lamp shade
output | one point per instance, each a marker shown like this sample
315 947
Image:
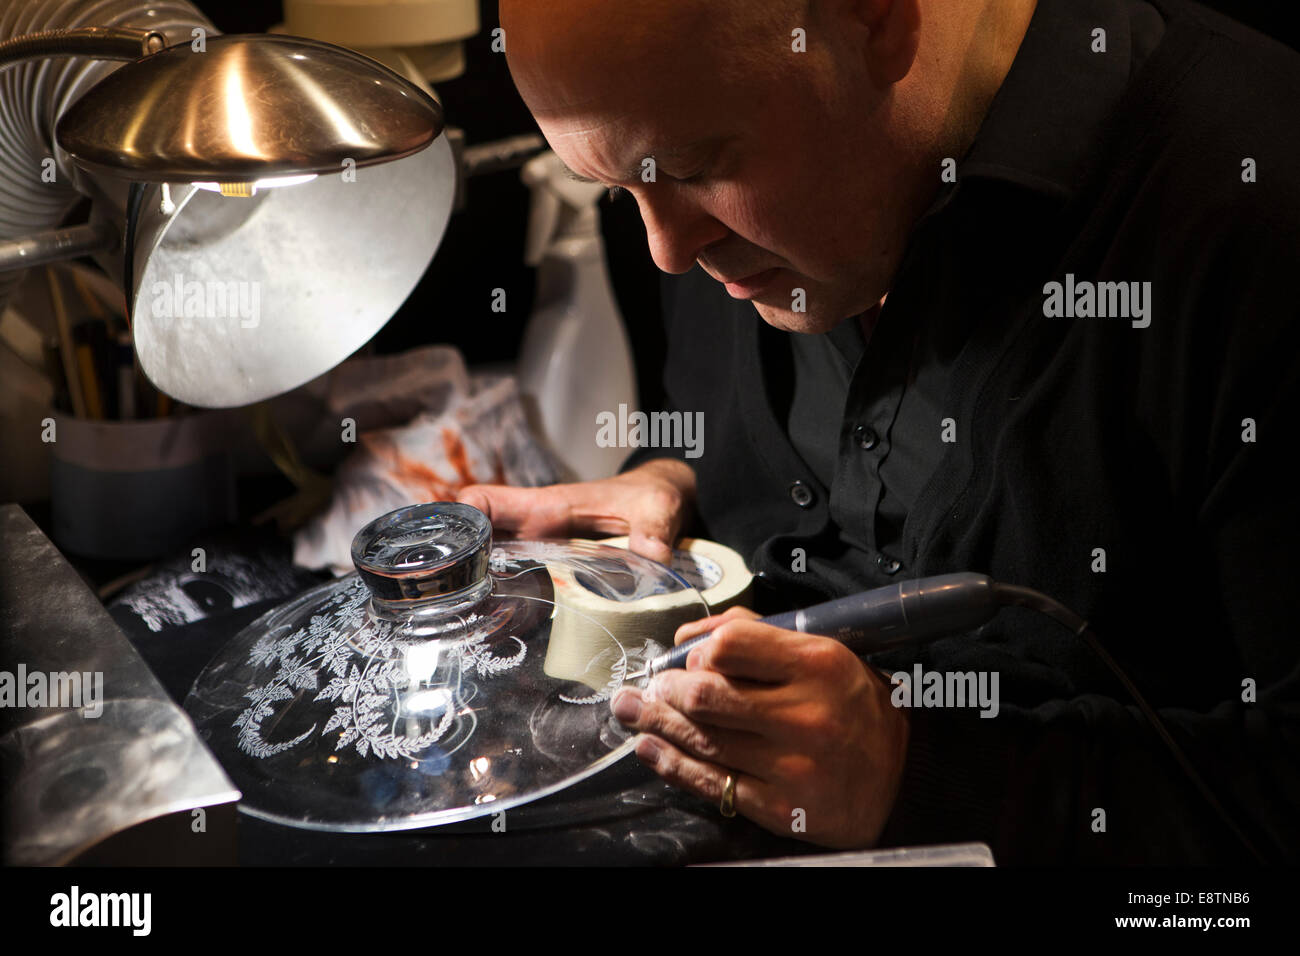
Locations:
242 296
247 107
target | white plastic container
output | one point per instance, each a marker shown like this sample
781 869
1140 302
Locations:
575 361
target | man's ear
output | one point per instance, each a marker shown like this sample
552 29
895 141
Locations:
894 35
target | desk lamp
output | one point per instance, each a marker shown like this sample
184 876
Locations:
236 290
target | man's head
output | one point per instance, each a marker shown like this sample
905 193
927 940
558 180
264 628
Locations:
811 162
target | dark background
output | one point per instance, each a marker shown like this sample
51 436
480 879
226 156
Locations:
483 248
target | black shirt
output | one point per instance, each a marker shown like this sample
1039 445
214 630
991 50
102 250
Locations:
1140 475
869 425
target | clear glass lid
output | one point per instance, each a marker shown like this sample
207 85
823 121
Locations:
447 679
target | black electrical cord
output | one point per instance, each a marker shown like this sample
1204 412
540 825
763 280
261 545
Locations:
134 203
1015 595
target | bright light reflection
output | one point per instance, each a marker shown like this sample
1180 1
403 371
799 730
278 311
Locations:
426 701
273 182
239 123
422 661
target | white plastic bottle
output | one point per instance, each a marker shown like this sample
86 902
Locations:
575 361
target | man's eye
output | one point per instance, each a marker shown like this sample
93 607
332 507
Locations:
616 192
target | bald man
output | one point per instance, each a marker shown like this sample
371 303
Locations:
998 286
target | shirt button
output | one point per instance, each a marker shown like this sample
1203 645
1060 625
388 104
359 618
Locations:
887 564
866 436
801 494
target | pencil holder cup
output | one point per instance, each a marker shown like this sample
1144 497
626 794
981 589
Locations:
137 490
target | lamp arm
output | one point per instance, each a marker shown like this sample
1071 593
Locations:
99 43
53 245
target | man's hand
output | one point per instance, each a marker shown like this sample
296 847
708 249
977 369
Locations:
799 720
649 504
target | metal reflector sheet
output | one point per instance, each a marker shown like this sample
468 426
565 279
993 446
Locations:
241 299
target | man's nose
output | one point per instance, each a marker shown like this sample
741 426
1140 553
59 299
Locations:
678 230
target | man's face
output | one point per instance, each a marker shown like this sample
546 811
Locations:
767 161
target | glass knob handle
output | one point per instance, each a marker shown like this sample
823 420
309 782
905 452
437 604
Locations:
423 551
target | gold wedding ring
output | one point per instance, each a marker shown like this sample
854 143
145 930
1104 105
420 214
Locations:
727 805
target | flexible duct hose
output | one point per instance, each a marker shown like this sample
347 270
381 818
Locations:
34 94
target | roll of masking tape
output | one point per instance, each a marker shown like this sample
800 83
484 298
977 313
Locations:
593 635
713 569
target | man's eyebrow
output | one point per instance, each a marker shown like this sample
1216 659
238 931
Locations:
570 174
671 153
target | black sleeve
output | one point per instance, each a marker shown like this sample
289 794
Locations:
1029 782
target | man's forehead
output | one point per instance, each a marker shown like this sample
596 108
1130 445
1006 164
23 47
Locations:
592 54
626 161
613 84
612 137
537 22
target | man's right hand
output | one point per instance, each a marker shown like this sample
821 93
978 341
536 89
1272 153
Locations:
649 504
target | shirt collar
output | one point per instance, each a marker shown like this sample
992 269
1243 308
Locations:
1047 119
